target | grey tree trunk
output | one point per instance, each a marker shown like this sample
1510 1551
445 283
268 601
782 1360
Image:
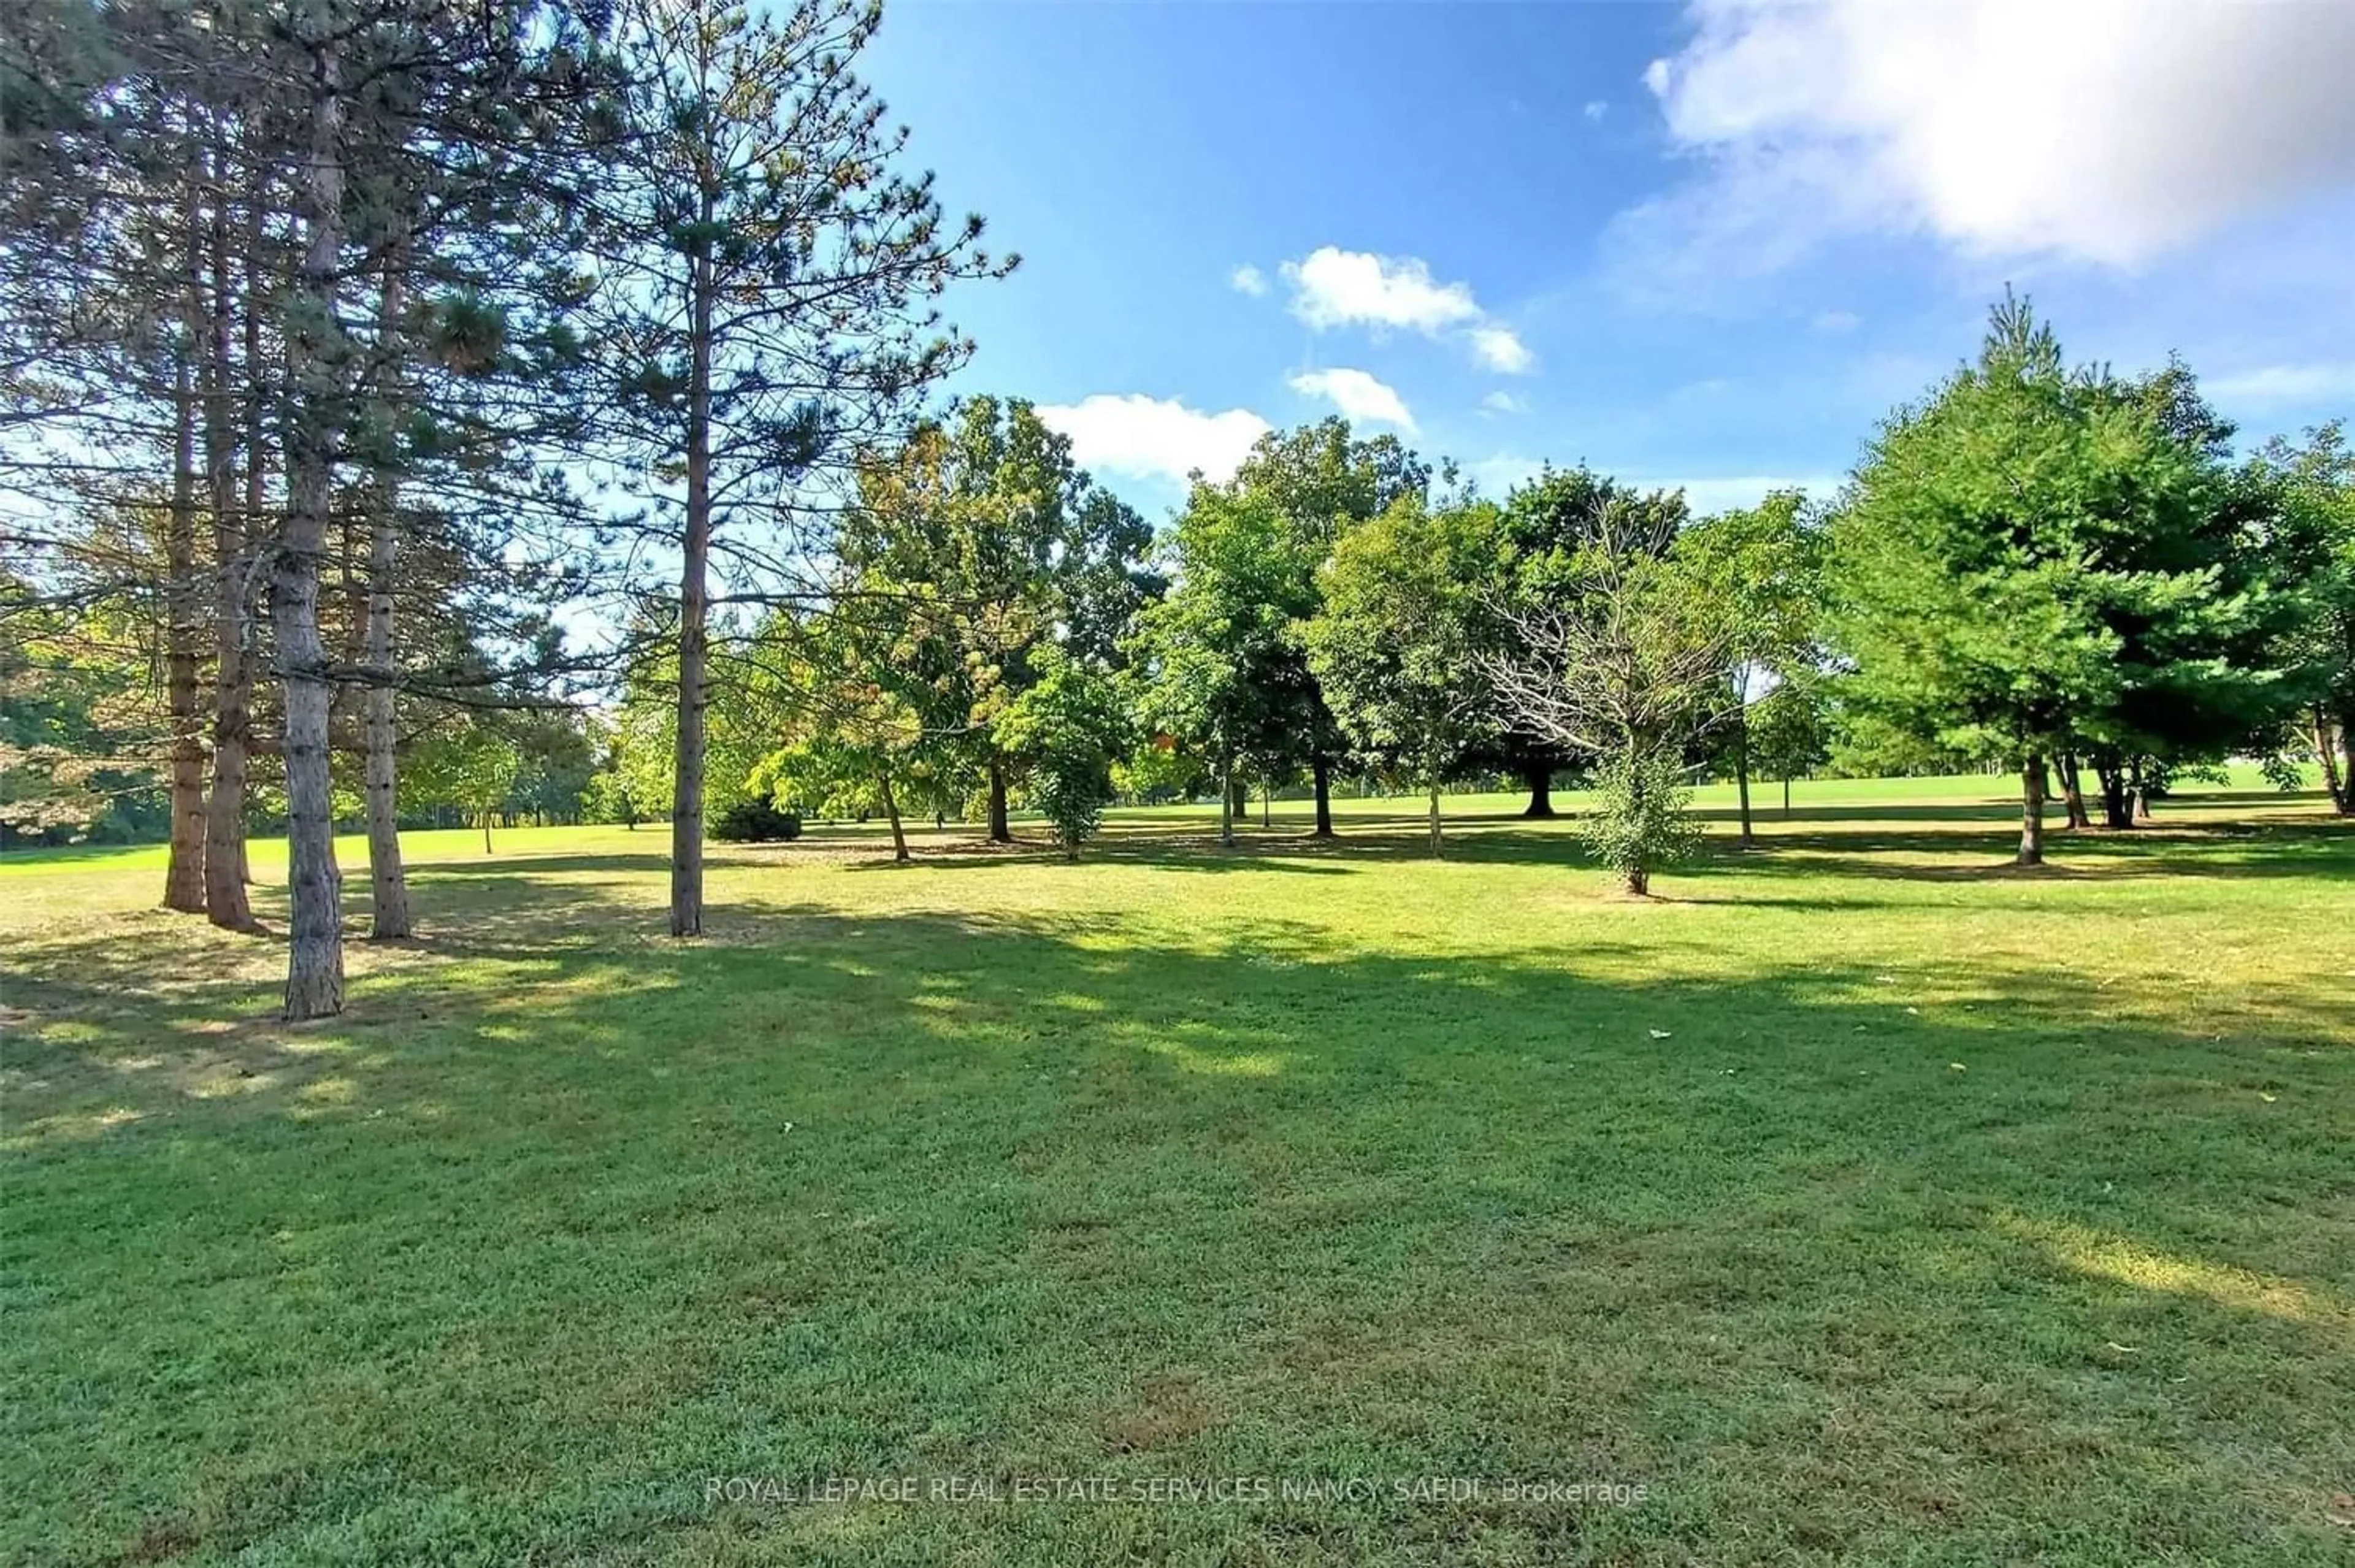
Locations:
2347 765
1320 767
1438 846
314 976
891 811
2032 811
1000 832
2073 792
2328 752
1741 773
225 899
687 790
387 882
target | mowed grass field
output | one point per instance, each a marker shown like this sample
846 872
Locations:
1859 1200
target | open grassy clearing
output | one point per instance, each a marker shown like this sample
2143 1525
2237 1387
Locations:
1860 1198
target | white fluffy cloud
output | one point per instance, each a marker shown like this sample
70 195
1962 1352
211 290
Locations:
1248 280
1357 395
1332 287
1504 404
1153 438
1500 348
2102 130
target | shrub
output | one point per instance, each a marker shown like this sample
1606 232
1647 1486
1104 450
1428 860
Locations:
1638 821
756 821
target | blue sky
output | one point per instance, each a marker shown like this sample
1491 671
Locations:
1707 245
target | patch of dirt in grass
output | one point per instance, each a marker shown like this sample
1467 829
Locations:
1170 1409
160 1542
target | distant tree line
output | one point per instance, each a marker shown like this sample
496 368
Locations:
412 412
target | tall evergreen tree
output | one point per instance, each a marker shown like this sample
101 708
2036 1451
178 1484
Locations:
772 277
2037 559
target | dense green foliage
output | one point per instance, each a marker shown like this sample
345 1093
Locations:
1069 726
1395 644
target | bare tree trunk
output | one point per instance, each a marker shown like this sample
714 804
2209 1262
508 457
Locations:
387 884
1227 800
1787 797
2140 790
1437 846
2346 767
2117 810
1267 803
687 791
2032 811
315 979
1741 772
2326 751
999 831
891 810
1639 871
183 874
225 899
2073 792
1538 776
1320 768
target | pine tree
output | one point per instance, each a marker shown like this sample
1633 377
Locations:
770 278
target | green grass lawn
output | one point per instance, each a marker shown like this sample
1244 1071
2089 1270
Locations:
1858 1199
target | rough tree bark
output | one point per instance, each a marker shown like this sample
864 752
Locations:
183 873
1320 768
315 977
687 790
2032 811
225 899
387 882
1438 846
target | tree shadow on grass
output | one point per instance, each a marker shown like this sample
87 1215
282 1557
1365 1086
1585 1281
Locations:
1818 842
2228 851
1972 1253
